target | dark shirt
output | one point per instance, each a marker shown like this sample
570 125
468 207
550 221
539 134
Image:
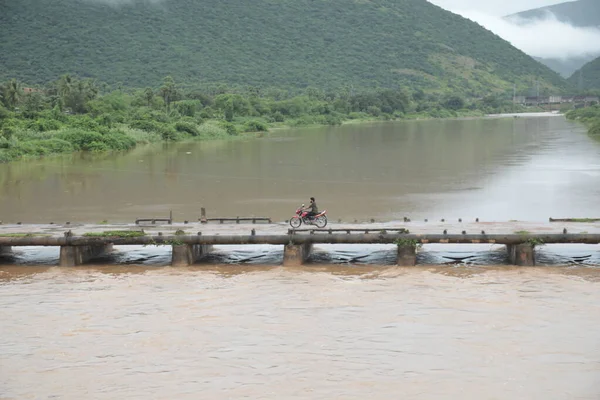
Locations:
312 208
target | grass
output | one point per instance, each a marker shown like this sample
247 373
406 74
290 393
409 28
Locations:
21 235
522 232
121 234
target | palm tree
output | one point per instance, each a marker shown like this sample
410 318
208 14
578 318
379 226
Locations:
168 91
148 95
12 93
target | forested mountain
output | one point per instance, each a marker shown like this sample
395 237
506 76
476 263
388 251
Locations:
588 77
581 13
284 43
566 66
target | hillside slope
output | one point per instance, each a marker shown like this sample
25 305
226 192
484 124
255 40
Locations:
581 13
297 43
588 76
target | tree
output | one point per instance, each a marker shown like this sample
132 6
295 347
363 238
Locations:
168 91
149 96
231 105
454 103
33 103
12 94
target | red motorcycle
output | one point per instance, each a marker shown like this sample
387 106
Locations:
319 220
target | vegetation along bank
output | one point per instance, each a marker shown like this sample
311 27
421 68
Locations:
74 114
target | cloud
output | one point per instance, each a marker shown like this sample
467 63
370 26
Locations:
547 37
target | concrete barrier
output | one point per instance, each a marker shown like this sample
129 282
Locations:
295 255
187 254
407 256
521 254
71 256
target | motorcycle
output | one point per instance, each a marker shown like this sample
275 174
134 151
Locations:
319 220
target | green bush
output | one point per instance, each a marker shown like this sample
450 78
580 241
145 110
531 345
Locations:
277 117
212 129
107 120
45 125
595 128
97 147
168 133
39 148
229 128
187 127
146 125
118 140
255 126
80 139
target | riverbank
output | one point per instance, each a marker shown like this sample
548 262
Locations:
589 116
72 115
58 134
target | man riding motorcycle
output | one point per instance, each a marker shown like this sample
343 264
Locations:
312 209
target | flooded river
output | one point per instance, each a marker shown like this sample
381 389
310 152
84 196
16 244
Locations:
495 169
349 325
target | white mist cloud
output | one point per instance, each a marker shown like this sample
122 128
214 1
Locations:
547 38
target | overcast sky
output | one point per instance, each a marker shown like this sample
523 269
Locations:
547 38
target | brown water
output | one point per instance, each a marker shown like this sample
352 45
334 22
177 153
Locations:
242 327
496 169
294 334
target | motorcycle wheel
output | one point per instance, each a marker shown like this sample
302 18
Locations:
321 222
295 222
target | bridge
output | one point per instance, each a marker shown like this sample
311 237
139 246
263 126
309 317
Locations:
82 243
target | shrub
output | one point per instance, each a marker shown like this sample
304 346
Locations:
45 125
255 126
106 120
168 132
80 139
146 125
229 128
212 129
118 140
374 111
187 127
595 128
278 117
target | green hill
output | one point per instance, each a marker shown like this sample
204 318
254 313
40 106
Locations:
588 77
284 43
581 13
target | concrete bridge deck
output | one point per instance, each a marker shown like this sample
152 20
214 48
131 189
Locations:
194 240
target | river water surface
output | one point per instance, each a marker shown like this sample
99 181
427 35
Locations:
243 327
495 169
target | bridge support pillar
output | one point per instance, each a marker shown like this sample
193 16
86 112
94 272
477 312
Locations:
521 254
71 256
5 251
407 256
295 255
187 254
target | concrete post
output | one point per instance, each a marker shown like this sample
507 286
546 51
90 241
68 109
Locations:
71 256
5 251
407 256
521 254
187 254
295 255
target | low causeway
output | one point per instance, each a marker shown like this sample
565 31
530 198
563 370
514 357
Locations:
80 243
